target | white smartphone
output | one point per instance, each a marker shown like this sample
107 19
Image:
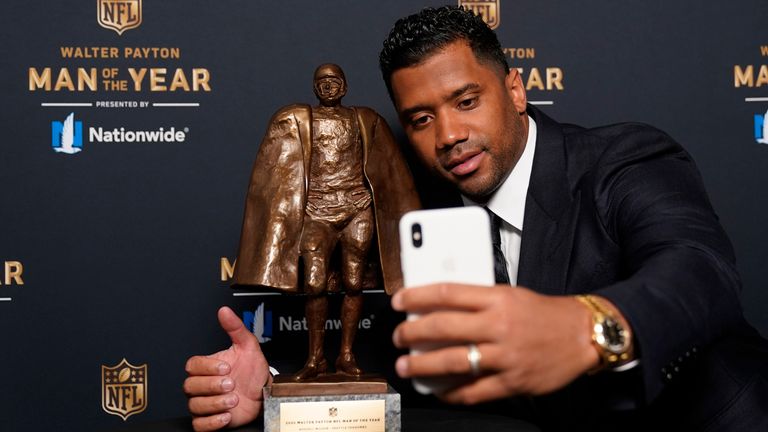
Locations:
445 245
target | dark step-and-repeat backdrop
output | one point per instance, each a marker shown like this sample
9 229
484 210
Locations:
129 128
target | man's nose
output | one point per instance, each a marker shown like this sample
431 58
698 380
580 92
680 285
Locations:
449 131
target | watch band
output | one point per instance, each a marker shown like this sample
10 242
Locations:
611 339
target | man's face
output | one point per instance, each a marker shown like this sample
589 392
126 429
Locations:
466 122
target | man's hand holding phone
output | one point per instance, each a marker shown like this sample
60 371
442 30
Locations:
472 341
526 340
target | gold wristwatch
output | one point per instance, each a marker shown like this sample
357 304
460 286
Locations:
612 340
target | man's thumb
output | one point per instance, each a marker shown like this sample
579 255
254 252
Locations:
234 327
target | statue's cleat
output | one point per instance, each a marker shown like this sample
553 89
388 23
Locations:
311 369
347 365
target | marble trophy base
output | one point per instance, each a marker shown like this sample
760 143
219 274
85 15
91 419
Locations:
331 403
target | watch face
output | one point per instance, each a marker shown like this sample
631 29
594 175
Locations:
611 336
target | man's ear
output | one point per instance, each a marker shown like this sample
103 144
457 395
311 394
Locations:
516 90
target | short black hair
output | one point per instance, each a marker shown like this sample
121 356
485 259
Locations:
416 37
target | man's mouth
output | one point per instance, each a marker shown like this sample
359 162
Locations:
465 164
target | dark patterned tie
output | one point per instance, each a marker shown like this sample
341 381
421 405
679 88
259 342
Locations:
499 262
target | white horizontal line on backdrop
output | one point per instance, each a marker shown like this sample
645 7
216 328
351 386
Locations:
176 104
64 104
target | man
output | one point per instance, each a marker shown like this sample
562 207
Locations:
618 212
603 229
312 189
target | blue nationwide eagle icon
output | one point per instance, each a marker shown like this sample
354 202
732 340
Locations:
67 136
259 322
761 128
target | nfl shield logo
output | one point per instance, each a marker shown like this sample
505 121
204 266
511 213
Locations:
124 389
119 15
487 9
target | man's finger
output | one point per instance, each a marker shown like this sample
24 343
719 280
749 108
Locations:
208 385
454 360
444 328
481 390
210 423
451 360
446 296
207 405
206 366
234 327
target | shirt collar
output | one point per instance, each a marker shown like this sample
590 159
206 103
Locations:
508 202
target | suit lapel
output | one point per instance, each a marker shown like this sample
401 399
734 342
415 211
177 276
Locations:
550 213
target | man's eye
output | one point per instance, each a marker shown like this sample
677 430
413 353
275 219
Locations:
468 103
420 121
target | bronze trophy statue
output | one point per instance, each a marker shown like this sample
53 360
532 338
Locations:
325 177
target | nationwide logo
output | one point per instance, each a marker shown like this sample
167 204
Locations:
487 9
67 136
761 128
259 322
118 15
124 389
118 135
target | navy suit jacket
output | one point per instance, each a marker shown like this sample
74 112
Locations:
621 211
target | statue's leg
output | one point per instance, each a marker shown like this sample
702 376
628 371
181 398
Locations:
355 243
317 241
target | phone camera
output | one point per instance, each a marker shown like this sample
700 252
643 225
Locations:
416 235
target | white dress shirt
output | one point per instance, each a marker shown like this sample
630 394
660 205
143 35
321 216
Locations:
508 202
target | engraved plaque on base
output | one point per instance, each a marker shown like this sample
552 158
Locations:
331 405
